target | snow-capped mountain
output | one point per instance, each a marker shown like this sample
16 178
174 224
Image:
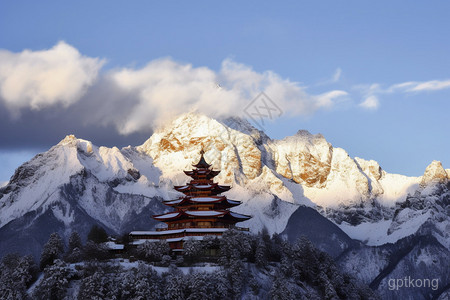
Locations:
272 177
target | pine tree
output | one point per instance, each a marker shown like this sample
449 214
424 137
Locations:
175 289
199 286
148 283
98 286
276 247
52 250
305 259
236 275
193 250
326 287
74 241
261 253
280 289
93 250
234 245
16 275
153 251
221 286
97 234
75 248
55 282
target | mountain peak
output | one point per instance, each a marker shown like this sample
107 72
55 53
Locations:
434 173
303 132
81 145
70 138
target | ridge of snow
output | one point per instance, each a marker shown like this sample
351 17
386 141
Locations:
50 170
270 177
375 234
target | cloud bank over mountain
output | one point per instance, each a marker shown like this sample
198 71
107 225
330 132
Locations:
39 79
138 99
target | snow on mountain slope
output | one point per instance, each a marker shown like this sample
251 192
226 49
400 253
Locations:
35 183
271 177
73 186
243 159
358 195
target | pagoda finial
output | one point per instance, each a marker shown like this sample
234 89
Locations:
202 162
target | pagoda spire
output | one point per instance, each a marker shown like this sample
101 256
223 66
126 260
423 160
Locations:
202 164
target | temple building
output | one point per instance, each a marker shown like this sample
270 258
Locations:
201 211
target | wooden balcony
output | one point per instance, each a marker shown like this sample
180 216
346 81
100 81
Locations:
203 226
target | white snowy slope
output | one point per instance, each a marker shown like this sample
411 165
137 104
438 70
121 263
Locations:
243 155
271 177
37 185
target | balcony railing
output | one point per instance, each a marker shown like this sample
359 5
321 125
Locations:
202 226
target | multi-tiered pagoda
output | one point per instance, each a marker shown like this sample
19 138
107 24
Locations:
201 211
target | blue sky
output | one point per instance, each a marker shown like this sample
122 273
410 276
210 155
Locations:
388 59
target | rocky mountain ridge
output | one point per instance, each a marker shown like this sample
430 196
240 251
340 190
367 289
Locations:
111 186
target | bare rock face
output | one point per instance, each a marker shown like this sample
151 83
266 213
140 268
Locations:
374 173
434 173
370 167
304 158
177 146
347 178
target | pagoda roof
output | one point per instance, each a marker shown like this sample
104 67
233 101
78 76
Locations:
210 186
208 172
202 164
201 213
197 200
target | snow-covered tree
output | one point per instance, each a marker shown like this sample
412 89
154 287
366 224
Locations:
175 287
148 284
236 274
221 285
193 250
98 286
199 286
280 289
261 253
153 251
305 259
234 245
275 250
16 274
55 282
75 248
95 251
52 250
74 241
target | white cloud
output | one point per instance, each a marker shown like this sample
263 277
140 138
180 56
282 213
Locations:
138 99
327 99
371 103
373 91
166 88
337 75
38 79
416 86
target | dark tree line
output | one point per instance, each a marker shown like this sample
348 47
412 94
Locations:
258 266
